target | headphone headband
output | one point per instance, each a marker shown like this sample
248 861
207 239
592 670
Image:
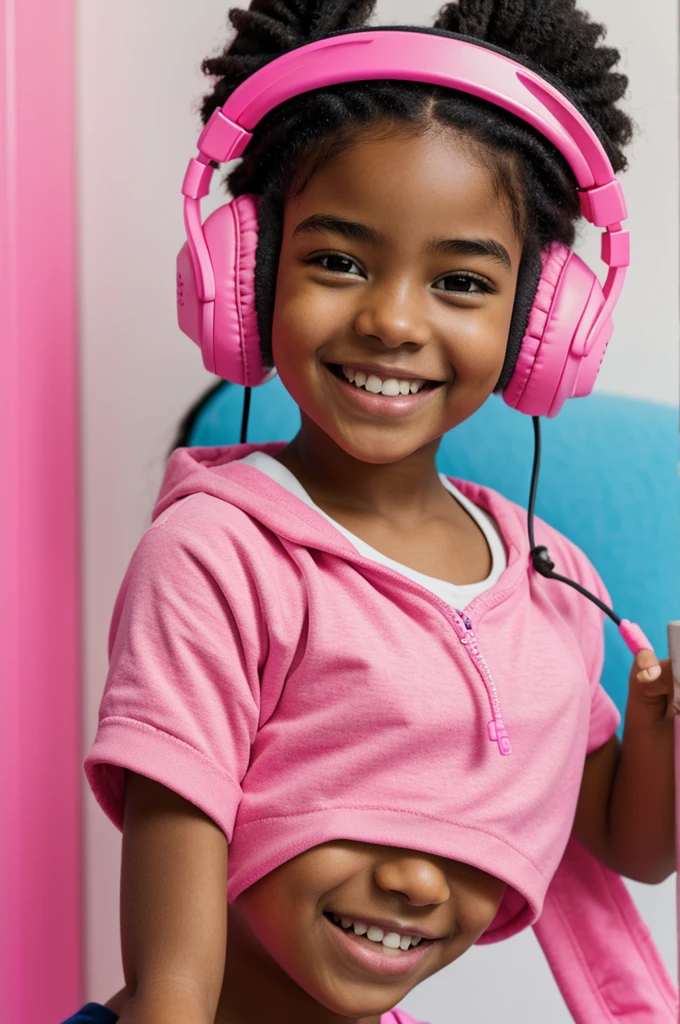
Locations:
424 57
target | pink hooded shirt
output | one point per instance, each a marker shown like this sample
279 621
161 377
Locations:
298 692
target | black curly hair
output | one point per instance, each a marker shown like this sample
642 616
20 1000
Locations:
295 140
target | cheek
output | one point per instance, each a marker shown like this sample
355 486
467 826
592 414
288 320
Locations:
305 316
282 904
479 906
479 340
270 920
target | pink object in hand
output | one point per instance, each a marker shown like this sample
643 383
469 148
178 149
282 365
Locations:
633 636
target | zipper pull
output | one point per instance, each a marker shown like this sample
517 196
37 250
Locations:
499 734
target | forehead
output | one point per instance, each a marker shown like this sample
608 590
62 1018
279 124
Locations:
409 186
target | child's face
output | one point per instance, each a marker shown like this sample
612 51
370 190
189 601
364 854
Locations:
388 300
284 951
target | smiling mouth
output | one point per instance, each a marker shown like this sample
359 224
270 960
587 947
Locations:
378 945
376 385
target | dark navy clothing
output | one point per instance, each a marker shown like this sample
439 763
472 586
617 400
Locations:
92 1013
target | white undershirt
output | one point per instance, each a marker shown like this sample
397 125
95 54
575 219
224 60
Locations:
456 595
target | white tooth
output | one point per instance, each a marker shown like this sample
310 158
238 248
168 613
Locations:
415 941
360 378
415 386
346 921
348 372
390 387
404 387
392 940
405 942
375 934
360 928
373 384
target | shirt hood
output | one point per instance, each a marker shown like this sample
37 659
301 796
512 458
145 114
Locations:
218 471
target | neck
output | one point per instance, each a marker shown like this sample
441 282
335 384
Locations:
407 489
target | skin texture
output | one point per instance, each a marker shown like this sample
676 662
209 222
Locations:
283 962
386 302
390 304
286 953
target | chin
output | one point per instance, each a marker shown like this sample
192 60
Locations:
378 448
359 1004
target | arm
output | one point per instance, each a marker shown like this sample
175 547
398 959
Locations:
173 907
626 809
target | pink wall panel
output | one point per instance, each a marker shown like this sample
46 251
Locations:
40 856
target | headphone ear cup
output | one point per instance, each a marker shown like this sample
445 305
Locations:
225 329
231 234
551 366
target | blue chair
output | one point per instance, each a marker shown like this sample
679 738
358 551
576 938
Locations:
608 481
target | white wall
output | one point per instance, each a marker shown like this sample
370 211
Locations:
139 81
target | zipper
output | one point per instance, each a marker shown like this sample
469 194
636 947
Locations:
496 727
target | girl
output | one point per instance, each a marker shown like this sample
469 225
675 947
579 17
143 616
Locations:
291 675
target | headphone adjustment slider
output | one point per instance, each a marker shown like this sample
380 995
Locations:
196 182
616 248
604 205
221 139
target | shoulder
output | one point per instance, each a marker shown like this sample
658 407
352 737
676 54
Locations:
583 617
570 560
202 546
200 513
218 533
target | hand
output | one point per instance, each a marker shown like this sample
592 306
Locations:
650 684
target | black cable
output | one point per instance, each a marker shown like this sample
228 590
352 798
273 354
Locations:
540 555
244 418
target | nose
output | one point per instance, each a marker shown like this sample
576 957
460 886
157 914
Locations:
417 877
392 311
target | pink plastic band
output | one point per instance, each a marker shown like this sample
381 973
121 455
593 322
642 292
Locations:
633 636
616 248
205 279
612 290
221 139
418 56
196 182
604 205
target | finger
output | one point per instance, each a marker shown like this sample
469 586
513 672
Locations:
648 675
647 667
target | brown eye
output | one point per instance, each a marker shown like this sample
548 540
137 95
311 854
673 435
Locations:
466 283
337 263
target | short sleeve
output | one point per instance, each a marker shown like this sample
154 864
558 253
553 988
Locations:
181 699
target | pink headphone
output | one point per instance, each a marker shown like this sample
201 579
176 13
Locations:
570 320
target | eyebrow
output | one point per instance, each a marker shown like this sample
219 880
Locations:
435 246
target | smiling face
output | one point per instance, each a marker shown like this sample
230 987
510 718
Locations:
399 257
282 930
